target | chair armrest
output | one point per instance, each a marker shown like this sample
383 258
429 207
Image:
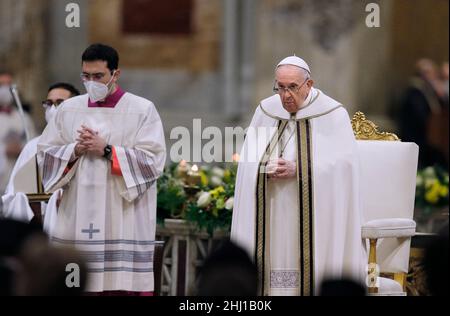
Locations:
388 227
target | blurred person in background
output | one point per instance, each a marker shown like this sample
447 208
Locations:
444 76
12 133
15 205
424 115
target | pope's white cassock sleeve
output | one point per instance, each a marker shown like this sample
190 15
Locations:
303 230
110 218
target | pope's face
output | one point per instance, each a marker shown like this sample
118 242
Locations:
293 87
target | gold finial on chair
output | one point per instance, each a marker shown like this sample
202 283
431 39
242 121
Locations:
365 129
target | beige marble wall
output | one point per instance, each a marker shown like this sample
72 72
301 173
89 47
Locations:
197 52
347 59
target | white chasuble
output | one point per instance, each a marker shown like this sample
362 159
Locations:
110 218
302 230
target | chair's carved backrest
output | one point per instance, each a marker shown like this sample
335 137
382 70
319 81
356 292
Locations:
367 130
388 171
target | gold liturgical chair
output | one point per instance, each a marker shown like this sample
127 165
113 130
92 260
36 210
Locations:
388 183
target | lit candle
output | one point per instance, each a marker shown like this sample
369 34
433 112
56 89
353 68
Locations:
182 169
193 176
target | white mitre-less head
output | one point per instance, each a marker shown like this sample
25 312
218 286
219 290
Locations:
295 61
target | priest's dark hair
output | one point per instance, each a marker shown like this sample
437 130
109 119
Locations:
102 52
66 86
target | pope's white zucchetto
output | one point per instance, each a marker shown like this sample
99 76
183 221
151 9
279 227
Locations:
295 61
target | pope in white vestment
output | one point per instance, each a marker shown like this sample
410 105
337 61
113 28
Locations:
108 209
297 204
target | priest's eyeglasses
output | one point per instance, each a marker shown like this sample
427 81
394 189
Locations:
95 76
292 89
49 103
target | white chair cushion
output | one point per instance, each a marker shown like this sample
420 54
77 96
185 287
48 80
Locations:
388 287
389 227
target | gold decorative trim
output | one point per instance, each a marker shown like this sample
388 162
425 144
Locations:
40 197
365 129
304 179
262 247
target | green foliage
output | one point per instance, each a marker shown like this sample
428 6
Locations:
432 189
209 206
171 197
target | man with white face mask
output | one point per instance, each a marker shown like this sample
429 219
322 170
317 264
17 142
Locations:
57 93
106 149
12 133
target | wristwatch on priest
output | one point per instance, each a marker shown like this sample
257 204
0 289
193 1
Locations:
107 152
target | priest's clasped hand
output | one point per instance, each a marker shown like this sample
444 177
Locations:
89 142
281 169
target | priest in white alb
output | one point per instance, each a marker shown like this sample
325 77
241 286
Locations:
15 202
297 207
106 149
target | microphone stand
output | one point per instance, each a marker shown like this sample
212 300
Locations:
15 95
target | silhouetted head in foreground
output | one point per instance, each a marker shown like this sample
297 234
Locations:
30 265
228 271
47 270
342 287
13 236
436 264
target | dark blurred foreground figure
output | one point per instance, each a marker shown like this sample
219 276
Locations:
29 265
49 271
13 235
343 287
436 264
228 271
